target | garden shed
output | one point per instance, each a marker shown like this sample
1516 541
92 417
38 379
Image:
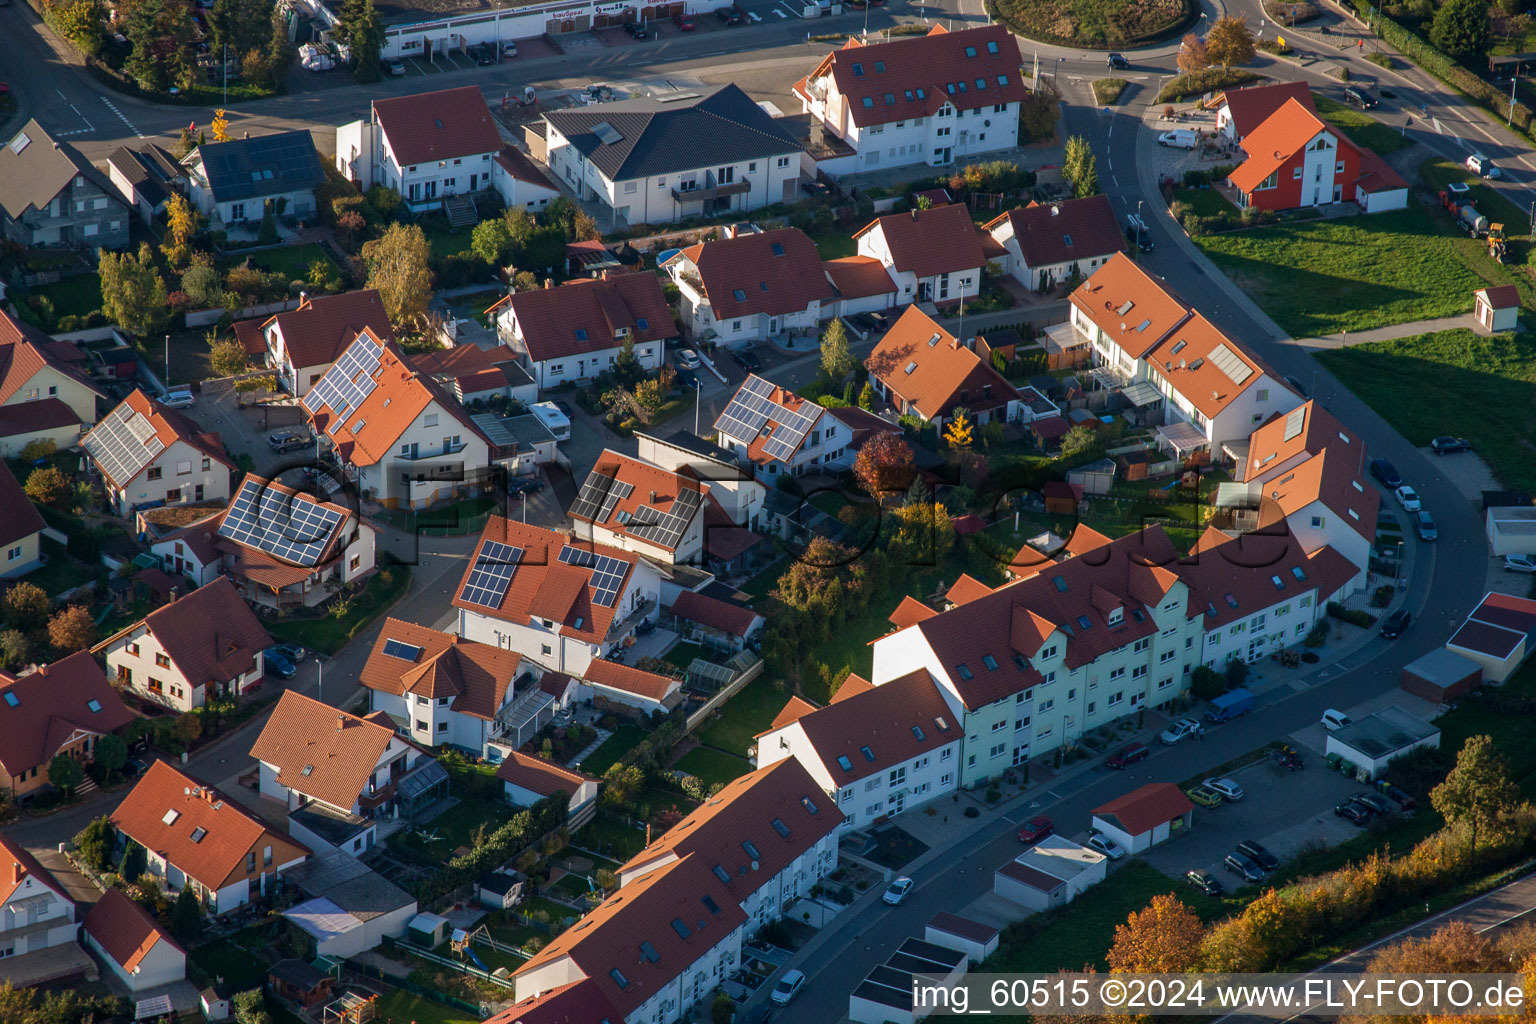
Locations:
427 930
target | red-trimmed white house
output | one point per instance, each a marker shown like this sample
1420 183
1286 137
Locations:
1295 160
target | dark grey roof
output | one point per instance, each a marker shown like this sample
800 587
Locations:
266 165
689 441
297 973
722 127
35 167
150 170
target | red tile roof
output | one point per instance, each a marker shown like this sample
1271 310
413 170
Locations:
725 616
51 705
1504 296
540 776
440 125
966 589
1232 578
586 315
1077 229
771 273
785 400
1306 456
1276 140
248 334
910 612
649 685
580 1002
723 539
924 364
1146 807
200 538
853 685
914 76
545 587
17 864
475 675
794 709
649 487
211 635
218 856
18 516
1376 175
881 721
320 751
30 417
859 277
1250 107
1195 369
24 350
124 930
938 240
322 327
516 163
964 927
1133 310
169 426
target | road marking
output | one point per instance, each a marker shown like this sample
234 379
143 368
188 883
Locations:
83 119
122 117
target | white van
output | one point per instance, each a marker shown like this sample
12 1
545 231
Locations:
1334 720
1180 138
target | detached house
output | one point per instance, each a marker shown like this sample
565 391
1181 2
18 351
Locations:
338 775
301 344
43 394
239 180
194 837
663 942
21 528
935 255
132 944
149 455
557 601
1295 159
779 433
924 371
576 331
62 708
396 434
1051 244
526 780
947 97
427 147
36 912
655 162
1243 110
192 649
876 751
735 489
439 689
51 195
634 506
145 178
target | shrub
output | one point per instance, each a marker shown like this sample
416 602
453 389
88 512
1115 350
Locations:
1195 83
1353 616
1207 683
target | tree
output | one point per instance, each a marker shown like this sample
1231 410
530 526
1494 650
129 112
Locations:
1193 54
251 1008
186 915
367 42
1164 938
884 465
80 22
626 365
352 223
867 397
220 124
240 25
1461 27
1075 158
621 782
26 606
111 753
1478 791
573 222
180 225
133 294
14 648
491 241
1039 112
397 267
65 773
545 249
836 359
226 358
72 629
958 433
281 54
202 284
1077 441
525 281
160 35
188 728
95 840
1206 683
48 486
1230 42
133 861
41 448
1087 182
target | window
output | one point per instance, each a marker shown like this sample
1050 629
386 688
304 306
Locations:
442 726
1166 657
946 754
1046 705
1141 645
897 777
1047 652
12 554
1115 698
1138 671
154 472
998 725
1118 673
870 785
1296 174
846 794
161 660
184 468
998 750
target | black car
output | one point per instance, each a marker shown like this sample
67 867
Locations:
134 767
565 407
687 378
749 361
1258 854
1205 882
1396 624
1384 471
1354 812
1447 445
483 54
1118 62
1379 805
636 29
730 15
1360 98
525 485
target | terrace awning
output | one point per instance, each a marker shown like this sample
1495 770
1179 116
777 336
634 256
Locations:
1181 438
1141 394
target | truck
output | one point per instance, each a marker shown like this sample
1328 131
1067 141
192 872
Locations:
1230 705
1474 223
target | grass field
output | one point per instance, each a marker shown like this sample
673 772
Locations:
293 260
614 747
744 716
223 959
398 1005
1353 273
1453 382
1107 90
1437 173
1205 202
610 839
1362 128
72 296
713 765
445 241
456 826
1101 23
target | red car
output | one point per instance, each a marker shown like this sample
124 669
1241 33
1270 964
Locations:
1036 829
684 22
1128 756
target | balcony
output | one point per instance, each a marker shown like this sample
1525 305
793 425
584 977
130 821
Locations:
710 192
417 455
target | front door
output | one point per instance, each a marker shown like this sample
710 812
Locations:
473 178
430 190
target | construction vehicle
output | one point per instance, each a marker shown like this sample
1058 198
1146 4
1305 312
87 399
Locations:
1496 244
1474 223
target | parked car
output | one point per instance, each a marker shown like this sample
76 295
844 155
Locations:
898 890
1335 720
1036 829
1384 471
1205 796
688 379
1243 867
278 664
1409 498
1137 234
1118 62
688 359
1480 165
565 407
508 49
1204 881
788 987
1377 803
1183 729
134 767
1226 787
1397 623
178 398
392 66
730 15
293 652
1446 445
1107 846
1519 563
288 440
1399 796
684 22
748 359
636 29
1179 138
1129 755
525 485
1425 525
1258 854
1353 812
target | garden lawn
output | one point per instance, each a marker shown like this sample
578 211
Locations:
833 242
713 765
293 260
456 826
1452 382
473 307
610 839
62 572
223 959
445 241
328 633
682 654
744 716
399 1005
624 739
72 296
1492 204
1362 128
1354 273
1205 202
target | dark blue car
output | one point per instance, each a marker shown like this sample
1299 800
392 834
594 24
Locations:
278 664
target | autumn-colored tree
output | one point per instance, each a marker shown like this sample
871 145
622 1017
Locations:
351 224
48 486
226 357
621 782
867 397
14 648
1193 54
72 629
884 465
25 606
1230 42
958 433
397 267
1478 792
133 294
188 728
1164 938
219 126
180 225
836 358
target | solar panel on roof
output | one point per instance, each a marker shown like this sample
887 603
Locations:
402 650
494 568
349 382
599 494
752 407
666 528
292 527
123 444
607 573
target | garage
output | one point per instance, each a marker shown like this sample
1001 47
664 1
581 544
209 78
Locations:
1145 817
1052 873
1372 742
1497 635
1441 676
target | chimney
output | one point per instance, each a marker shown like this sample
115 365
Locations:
549 283
914 213
174 594
653 497
340 721
17 871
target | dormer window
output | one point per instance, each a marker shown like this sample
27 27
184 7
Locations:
1116 616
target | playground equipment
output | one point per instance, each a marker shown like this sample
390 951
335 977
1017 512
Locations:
461 942
350 1008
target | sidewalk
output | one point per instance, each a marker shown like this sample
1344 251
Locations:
1408 330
